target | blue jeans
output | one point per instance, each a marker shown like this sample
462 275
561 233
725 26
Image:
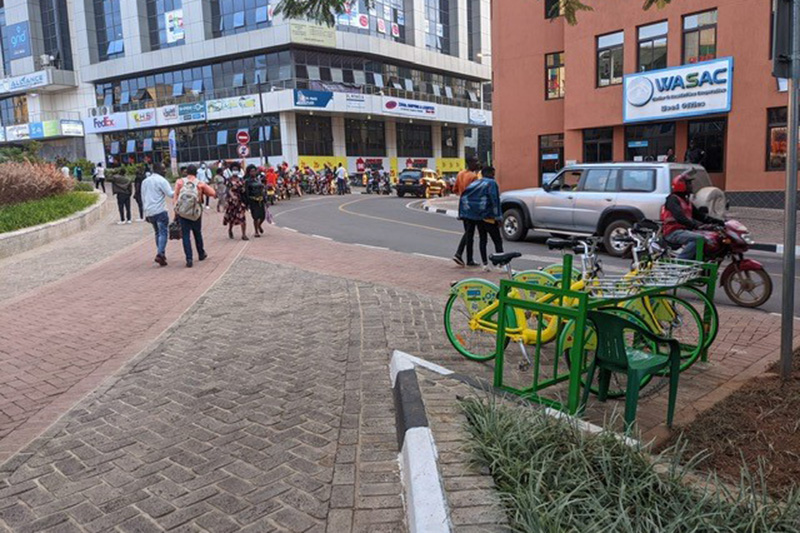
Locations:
160 224
189 228
687 239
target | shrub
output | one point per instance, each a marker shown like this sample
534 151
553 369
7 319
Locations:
29 152
44 210
85 164
554 477
20 182
83 186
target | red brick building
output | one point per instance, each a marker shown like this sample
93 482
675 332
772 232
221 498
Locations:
630 85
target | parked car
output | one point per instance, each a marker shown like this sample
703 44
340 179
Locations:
603 199
420 182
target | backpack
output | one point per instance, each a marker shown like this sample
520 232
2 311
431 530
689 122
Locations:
188 204
255 189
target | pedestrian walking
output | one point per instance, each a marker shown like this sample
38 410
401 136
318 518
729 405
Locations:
100 177
255 187
463 180
204 176
235 210
122 187
78 173
341 176
189 195
155 190
221 187
137 193
489 226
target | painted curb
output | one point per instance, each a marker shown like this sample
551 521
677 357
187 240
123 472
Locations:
426 506
453 213
26 239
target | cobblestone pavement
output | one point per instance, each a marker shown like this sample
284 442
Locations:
266 408
54 261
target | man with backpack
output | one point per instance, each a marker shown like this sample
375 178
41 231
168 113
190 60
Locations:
189 195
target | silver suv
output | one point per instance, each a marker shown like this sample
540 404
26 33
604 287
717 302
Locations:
602 199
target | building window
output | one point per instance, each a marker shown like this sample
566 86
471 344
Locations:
108 26
473 29
777 138
554 76
610 59
229 17
365 138
314 135
598 145
5 41
553 9
385 19
709 135
414 140
449 142
653 46
650 142
437 25
700 37
551 156
165 23
55 31
14 110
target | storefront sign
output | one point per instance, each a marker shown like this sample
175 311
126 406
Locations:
317 162
42 130
24 82
20 132
312 34
478 117
72 128
417 163
450 165
686 91
19 37
105 123
356 102
167 115
316 99
192 112
236 106
173 21
409 108
36 130
142 118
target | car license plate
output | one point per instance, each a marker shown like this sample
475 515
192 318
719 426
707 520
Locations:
409 182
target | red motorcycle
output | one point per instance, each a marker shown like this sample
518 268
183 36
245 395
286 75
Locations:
745 281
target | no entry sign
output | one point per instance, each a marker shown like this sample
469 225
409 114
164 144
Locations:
243 137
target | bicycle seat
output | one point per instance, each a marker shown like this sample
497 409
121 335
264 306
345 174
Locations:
503 259
560 244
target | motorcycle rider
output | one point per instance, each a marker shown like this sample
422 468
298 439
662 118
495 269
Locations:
680 218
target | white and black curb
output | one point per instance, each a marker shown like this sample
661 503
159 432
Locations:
453 213
426 506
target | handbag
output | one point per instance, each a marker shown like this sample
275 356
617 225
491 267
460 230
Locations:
175 231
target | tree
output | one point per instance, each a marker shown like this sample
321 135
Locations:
325 11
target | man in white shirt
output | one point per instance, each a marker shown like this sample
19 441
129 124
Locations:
155 189
341 175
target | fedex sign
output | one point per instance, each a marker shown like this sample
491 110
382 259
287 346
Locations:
105 123
686 91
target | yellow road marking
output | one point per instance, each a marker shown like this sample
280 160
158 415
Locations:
343 210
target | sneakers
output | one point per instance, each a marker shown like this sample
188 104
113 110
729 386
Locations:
121 222
472 264
128 222
161 260
208 207
458 260
139 220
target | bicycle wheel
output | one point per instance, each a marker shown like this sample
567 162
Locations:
473 338
675 318
705 308
619 382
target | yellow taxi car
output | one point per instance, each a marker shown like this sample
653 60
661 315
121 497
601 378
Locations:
421 182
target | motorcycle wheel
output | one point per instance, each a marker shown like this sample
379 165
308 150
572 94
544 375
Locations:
749 288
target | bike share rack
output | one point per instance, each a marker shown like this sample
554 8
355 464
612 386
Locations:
566 304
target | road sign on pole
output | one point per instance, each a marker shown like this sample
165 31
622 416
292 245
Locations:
243 150
788 65
243 137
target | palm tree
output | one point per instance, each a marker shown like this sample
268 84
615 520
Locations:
325 11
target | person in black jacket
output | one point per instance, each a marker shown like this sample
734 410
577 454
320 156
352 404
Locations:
122 186
137 193
695 154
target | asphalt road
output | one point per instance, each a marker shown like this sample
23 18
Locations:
399 224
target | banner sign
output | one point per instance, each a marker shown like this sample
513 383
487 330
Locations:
24 82
36 130
41 130
19 37
478 117
236 106
167 115
173 21
72 128
192 112
677 92
19 132
105 123
312 34
315 99
409 108
142 118
356 102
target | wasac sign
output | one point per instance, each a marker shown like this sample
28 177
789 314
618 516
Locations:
686 91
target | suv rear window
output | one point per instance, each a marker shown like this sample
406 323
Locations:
638 180
411 175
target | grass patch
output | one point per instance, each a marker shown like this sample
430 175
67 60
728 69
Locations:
83 186
554 478
35 212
